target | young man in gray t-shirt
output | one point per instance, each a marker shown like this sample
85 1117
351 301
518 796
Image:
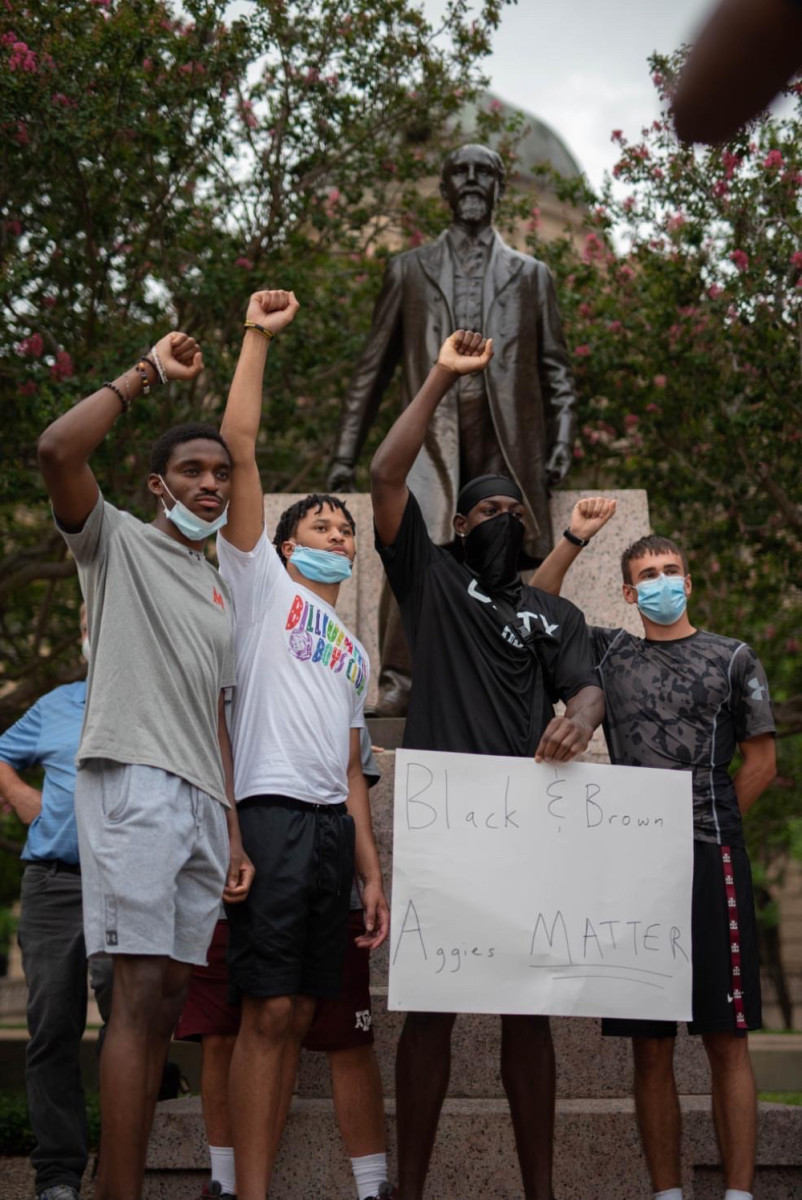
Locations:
158 834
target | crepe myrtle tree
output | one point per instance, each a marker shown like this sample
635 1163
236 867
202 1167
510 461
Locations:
158 162
683 310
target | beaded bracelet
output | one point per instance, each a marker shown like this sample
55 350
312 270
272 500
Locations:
267 332
143 375
126 404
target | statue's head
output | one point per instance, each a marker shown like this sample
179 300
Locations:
471 181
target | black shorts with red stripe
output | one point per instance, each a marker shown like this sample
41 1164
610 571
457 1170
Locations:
726 966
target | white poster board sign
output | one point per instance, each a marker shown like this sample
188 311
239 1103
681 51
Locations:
531 888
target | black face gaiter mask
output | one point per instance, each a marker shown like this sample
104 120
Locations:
493 551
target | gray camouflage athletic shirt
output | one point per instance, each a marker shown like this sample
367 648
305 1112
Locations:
684 704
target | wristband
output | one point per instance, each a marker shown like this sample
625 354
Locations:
252 325
143 375
156 362
574 540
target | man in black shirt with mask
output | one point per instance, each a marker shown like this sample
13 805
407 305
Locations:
489 654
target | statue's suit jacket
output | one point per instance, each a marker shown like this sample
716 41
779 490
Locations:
529 380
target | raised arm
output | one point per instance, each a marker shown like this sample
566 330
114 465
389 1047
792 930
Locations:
267 314
65 446
589 515
464 353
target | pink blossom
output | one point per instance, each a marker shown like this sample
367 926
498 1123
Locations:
796 258
617 135
631 421
625 272
658 80
720 188
640 152
741 259
495 106
582 351
334 195
49 301
773 159
594 247
629 204
245 263
100 3
13 227
416 237
8 39
675 223
248 115
33 346
578 452
62 368
22 58
657 173
28 388
22 133
793 645
585 310
614 327
714 291
660 381
730 162
653 408
147 64
60 98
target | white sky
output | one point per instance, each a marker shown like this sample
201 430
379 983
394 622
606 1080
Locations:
580 65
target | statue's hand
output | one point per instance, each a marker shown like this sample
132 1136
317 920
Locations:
465 352
341 477
559 462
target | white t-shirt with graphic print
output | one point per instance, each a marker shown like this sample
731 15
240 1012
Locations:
302 679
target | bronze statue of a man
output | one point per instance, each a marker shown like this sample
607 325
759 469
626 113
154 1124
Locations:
516 419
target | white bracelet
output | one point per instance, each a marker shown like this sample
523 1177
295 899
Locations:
159 366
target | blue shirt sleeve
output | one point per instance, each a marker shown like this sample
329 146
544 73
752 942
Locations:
19 745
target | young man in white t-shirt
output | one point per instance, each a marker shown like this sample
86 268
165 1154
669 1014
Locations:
303 800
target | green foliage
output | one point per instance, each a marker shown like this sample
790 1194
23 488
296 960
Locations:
158 164
15 1130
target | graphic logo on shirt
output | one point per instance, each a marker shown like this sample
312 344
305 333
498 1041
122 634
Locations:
363 1019
758 690
525 617
218 599
315 637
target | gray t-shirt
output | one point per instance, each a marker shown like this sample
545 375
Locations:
161 637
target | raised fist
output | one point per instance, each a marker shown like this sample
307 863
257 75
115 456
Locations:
272 310
590 515
180 356
465 352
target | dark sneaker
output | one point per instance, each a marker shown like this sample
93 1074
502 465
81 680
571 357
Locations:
385 1193
214 1192
59 1191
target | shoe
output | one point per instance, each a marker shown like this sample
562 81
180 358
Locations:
215 1192
385 1193
59 1191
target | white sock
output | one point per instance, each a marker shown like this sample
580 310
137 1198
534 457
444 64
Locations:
671 1194
370 1172
734 1194
223 1167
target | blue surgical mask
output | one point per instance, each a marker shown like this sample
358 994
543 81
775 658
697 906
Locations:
321 566
662 600
192 527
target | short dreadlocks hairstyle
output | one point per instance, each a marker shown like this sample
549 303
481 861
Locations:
288 521
653 544
164 447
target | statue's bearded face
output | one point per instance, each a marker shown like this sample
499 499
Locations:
470 185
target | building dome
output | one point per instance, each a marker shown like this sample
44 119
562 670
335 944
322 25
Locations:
540 144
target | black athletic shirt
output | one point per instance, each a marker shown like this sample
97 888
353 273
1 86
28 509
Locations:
475 687
685 704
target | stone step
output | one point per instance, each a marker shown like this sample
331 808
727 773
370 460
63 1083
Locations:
588 1065
597 1153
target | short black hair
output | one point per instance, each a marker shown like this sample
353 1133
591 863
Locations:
652 544
163 448
288 521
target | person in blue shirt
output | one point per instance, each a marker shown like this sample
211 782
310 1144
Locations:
51 934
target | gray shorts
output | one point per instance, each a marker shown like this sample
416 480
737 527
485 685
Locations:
154 856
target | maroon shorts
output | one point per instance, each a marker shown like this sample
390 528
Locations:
337 1025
